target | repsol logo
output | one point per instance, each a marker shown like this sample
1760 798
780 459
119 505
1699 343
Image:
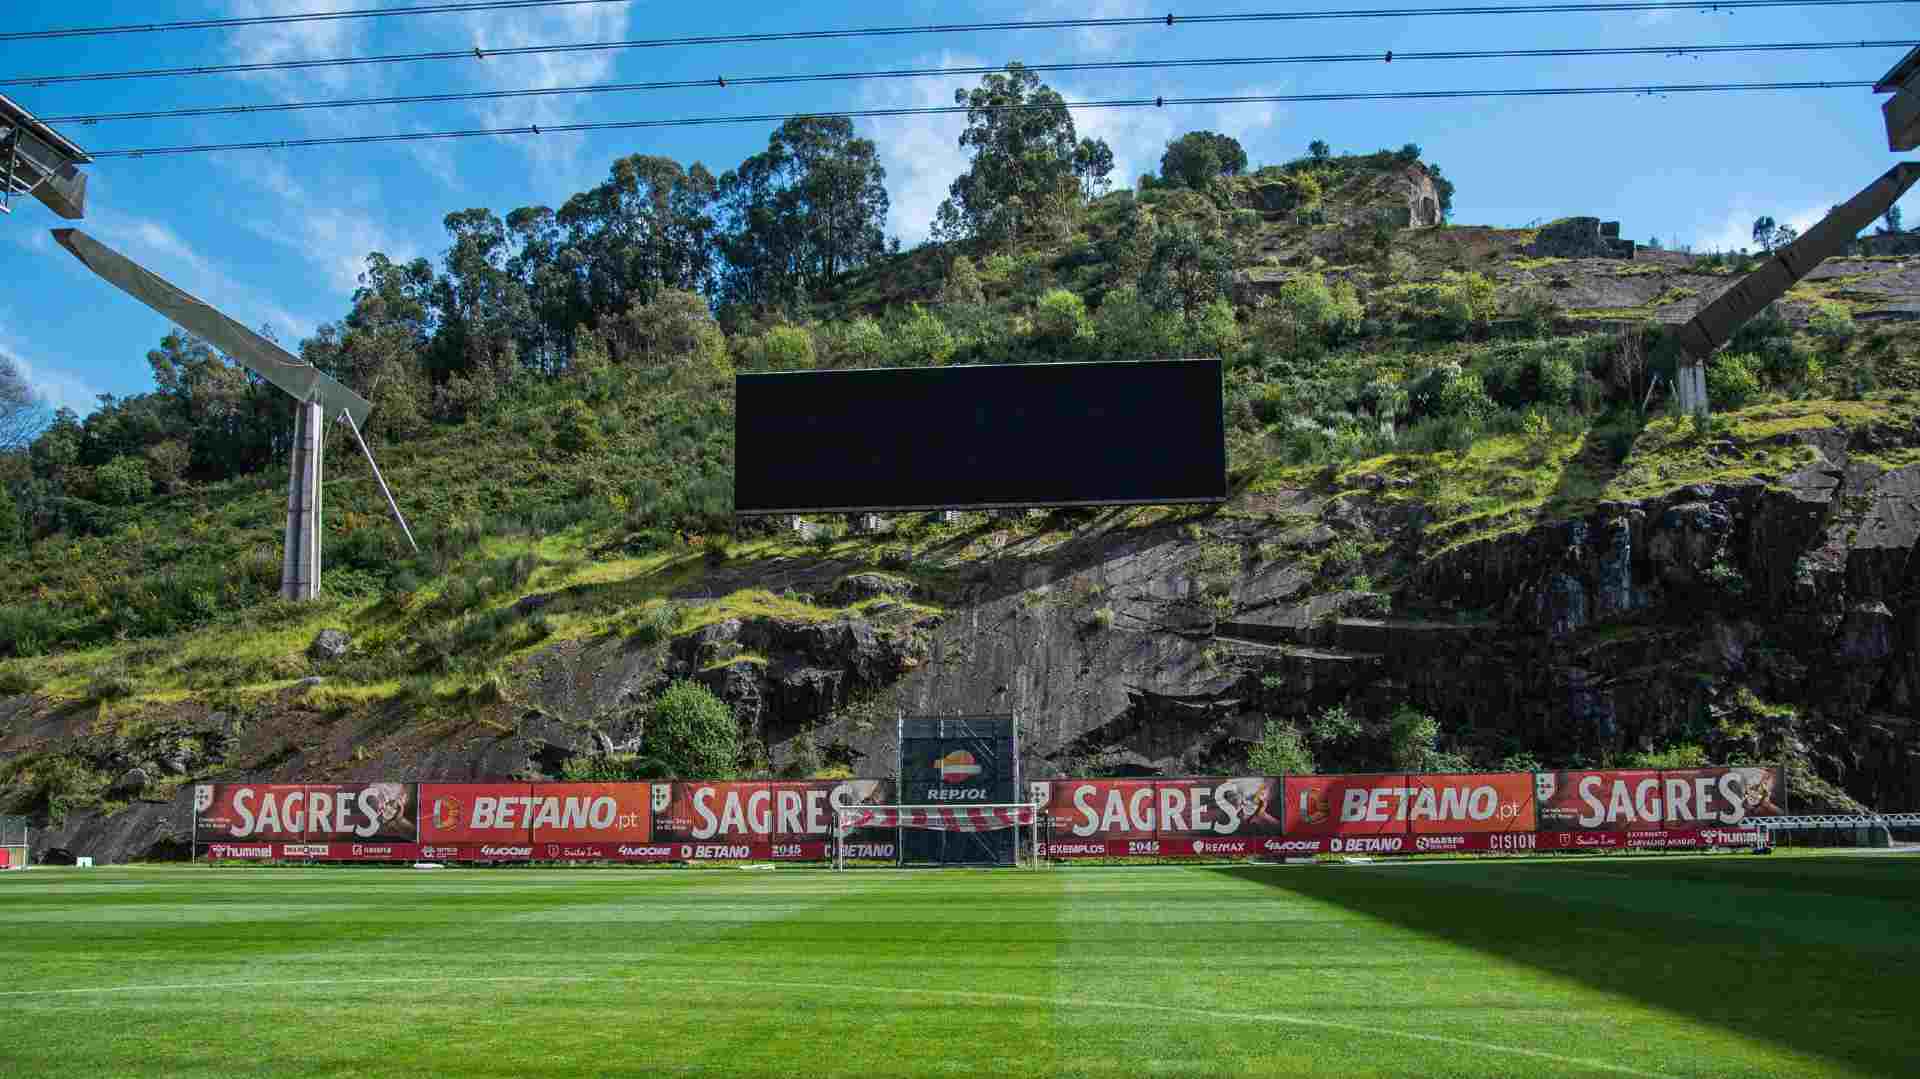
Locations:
957 794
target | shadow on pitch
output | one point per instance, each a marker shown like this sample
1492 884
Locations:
1814 955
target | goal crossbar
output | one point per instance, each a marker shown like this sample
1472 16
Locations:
990 817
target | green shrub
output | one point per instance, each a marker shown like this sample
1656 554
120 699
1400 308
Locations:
922 340
693 733
1463 394
613 768
122 481
1732 380
577 430
1521 762
657 622
782 348
13 683
1832 321
1281 751
1680 755
1060 318
860 343
1128 328
110 685
1215 332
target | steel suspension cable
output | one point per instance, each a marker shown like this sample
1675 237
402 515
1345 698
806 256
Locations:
723 82
482 53
943 110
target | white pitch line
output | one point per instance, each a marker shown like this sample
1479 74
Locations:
299 982
842 988
1249 1017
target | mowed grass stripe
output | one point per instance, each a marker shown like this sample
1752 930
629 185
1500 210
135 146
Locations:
1170 971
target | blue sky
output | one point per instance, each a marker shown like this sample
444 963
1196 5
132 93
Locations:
277 236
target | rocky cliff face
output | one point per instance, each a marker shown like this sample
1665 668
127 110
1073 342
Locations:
1773 619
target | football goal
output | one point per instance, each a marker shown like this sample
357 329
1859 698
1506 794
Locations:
877 832
13 843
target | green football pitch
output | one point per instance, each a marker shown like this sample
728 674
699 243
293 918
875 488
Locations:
1673 966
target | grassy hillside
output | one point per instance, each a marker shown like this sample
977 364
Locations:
1423 365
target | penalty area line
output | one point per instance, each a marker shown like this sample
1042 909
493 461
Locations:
842 988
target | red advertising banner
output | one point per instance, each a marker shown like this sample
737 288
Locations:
1563 841
1647 800
1114 810
1598 801
569 814
1470 803
1346 805
250 811
1086 848
362 811
348 852
1132 815
253 852
716 811
1718 795
803 809
1212 809
453 813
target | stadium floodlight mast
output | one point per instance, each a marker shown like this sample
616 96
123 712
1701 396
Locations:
37 160
319 397
1717 322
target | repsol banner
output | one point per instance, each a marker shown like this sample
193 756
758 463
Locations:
959 761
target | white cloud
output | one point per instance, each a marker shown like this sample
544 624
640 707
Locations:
57 388
554 157
1735 230
298 41
163 251
1093 39
330 233
921 154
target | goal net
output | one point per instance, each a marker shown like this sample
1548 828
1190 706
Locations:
13 843
1023 821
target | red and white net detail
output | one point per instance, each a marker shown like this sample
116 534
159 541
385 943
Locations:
937 818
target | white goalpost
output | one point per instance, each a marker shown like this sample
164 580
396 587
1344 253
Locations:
1022 818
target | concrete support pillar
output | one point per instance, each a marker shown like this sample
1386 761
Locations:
1690 382
300 562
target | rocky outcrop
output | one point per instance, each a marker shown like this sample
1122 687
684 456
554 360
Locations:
1580 238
